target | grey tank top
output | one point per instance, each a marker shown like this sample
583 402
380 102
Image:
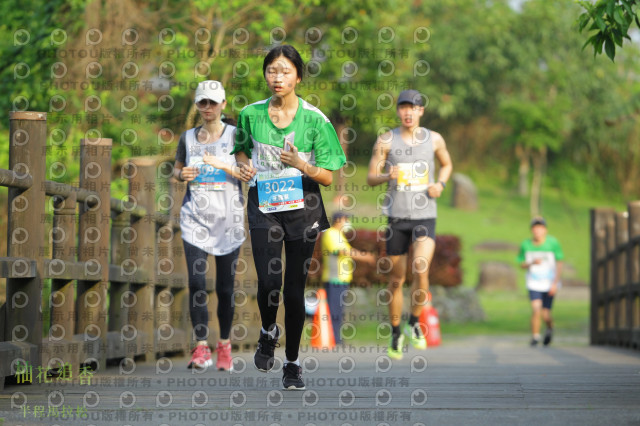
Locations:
212 214
406 196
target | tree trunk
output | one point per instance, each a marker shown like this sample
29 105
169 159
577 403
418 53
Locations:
339 126
523 154
539 164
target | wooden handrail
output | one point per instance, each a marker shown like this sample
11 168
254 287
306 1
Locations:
98 247
12 179
615 276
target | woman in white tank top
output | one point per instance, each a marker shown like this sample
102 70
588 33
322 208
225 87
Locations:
211 219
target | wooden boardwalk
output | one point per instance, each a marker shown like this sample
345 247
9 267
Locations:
475 381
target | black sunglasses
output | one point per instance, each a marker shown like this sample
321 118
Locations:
205 103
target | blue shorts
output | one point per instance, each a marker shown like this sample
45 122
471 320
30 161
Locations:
547 300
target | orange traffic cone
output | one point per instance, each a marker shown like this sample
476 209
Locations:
322 329
430 325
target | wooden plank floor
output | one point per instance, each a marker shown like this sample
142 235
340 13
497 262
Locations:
479 381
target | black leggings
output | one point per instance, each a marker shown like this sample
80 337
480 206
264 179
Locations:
197 262
267 255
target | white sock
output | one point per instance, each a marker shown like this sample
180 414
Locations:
536 336
296 362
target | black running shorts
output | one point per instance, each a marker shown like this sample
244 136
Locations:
401 233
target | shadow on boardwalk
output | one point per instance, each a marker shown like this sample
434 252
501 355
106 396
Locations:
480 381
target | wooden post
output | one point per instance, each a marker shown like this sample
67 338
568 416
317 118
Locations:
610 249
142 188
166 334
622 238
121 234
27 155
63 292
95 175
63 242
180 318
599 219
634 233
622 289
633 273
164 296
611 284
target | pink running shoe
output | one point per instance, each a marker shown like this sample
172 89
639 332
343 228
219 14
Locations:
200 357
224 362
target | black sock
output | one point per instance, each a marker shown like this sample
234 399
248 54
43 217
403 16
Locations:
412 320
395 334
395 329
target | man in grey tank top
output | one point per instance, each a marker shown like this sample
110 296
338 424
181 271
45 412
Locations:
404 158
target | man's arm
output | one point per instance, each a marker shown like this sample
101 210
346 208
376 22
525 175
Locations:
442 153
446 166
527 265
554 285
559 256
376 175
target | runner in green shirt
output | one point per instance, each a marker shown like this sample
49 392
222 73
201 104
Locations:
285 147
542 257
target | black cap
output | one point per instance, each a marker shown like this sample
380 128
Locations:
339 215
538 221
412 97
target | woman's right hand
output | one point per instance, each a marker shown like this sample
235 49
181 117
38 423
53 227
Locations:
189 173
246 172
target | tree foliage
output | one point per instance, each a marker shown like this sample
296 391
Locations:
496 78
609 22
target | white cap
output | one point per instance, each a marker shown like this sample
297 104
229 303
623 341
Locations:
210 89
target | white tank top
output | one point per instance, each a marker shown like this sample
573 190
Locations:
212 213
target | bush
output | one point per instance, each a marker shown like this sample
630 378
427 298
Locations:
445 268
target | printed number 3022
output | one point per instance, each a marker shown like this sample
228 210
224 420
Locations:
278 186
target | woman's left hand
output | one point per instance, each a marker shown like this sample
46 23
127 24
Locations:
290 156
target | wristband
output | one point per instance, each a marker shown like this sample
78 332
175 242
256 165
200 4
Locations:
180 176
444 185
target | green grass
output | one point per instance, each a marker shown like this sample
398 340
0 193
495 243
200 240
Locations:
504 216
509 313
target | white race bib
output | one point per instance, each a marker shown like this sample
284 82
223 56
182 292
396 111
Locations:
413 177
280 191
209 178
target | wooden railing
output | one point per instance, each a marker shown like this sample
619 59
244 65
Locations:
118 283
615 276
